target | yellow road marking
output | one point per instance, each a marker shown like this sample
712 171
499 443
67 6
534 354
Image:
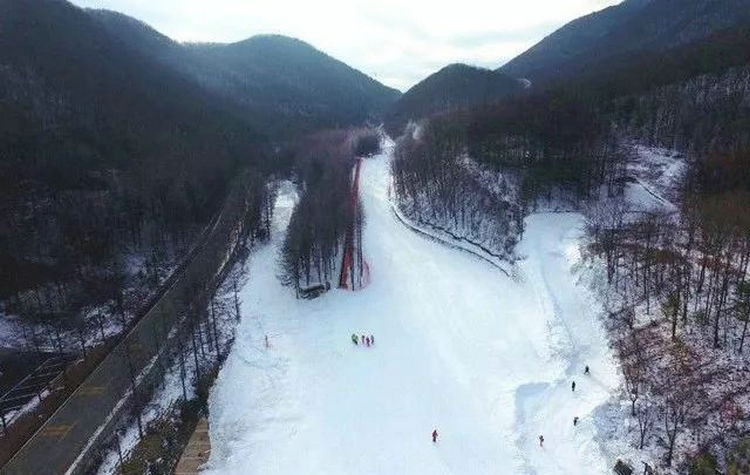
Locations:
91 390
136 347
57 431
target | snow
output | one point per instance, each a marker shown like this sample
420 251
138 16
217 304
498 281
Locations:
10 331
657 174
462 348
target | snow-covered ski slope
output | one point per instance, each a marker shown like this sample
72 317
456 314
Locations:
460 347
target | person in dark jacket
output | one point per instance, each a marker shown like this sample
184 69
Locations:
434 436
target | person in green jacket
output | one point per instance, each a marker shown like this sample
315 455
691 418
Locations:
354 339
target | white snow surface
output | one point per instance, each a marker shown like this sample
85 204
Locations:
657 175
460 347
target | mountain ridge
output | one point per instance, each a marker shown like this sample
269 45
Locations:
281 84
648 26
454 86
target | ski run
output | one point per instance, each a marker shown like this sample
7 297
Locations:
486 360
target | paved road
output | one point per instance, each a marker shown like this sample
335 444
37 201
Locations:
66 433
63 443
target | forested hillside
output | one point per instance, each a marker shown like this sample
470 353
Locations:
632 27
282 86
292 79
103 151
454 87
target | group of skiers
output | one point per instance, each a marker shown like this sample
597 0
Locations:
363 339
587 372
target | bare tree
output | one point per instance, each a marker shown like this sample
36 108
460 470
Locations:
645 416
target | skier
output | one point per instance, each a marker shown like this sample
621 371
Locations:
354 339
586 371
541 441
362 339
575 421
266 339
367 340
573 386
434 436
372 339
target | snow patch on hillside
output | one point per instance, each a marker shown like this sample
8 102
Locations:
656 175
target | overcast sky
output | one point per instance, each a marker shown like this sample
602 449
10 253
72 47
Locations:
395 41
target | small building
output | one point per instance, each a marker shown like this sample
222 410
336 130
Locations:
314 291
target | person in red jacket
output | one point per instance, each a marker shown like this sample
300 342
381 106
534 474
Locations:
434 436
